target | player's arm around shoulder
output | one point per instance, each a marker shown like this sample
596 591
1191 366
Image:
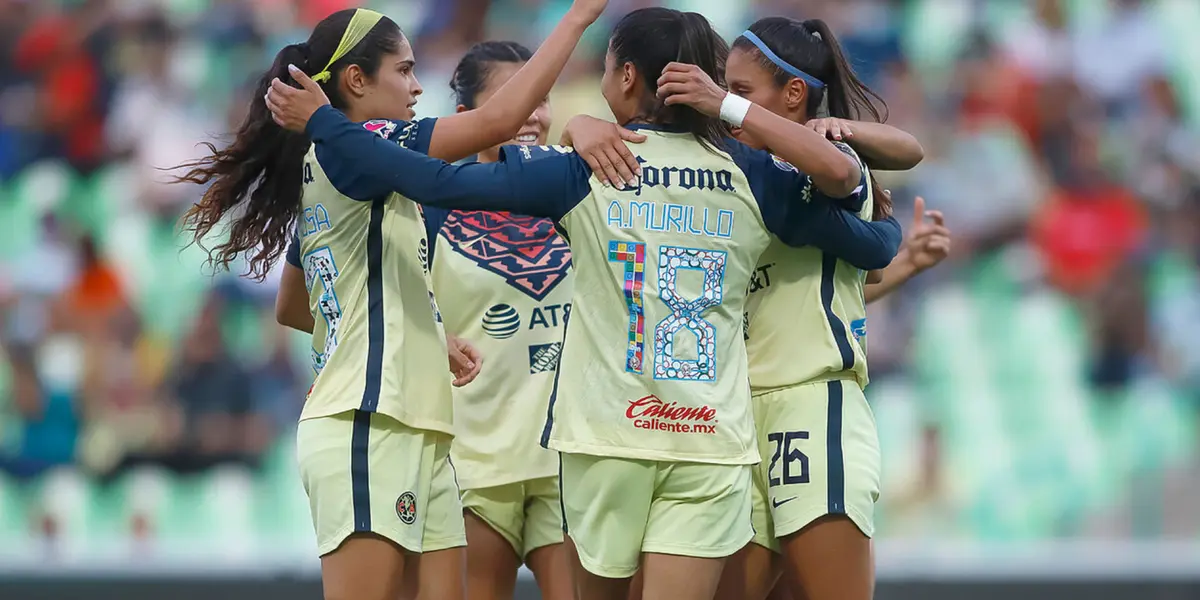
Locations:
547 181
881 146
799 216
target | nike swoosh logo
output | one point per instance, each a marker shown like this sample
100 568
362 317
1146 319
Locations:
777 503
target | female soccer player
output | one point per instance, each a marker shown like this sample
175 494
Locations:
784 89
374 436
656 438
819 480
504 284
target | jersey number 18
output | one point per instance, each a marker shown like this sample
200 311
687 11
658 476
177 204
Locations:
685 314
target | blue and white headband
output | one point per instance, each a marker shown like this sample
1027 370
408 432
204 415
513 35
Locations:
779 62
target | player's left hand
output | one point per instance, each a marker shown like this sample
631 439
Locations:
928 242
832 127
687 84
465 360
291 108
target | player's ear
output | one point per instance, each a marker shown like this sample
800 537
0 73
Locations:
461 108
795 94
629 77
355 80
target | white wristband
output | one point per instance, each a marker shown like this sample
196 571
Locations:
734 109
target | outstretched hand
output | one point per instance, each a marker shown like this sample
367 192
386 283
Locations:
602 145
928 242
689 85
290 107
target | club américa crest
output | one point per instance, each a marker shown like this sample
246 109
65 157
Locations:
406 508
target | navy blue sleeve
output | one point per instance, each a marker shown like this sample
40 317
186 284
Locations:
414 135
293 252
856 198
800 217
544 181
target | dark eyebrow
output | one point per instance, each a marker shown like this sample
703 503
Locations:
407 63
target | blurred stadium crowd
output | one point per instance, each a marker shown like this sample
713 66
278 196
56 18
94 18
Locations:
1044 382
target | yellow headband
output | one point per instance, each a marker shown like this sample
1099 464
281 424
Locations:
360 25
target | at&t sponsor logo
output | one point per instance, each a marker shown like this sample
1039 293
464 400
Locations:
650 412
501 321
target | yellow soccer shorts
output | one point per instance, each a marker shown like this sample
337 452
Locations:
820 454
367 472
527 513
615 509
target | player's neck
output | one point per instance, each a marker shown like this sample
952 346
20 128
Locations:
356 116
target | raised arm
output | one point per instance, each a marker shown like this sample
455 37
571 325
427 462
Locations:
464 134
881 146
834 172
539 181
500 118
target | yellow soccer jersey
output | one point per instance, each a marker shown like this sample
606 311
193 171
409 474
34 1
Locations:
504 284
378 344
654 362
806 317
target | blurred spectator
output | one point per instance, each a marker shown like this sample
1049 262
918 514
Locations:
1041 45
982 171
213 394
42 391
1091 225
278 390
53 53
97 294
155 122
1113 59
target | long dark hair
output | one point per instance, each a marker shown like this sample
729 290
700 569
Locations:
259 176
652 37
473 70
811 47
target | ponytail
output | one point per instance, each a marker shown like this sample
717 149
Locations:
650 38
809 51
700 45
264 162
846 95
259 177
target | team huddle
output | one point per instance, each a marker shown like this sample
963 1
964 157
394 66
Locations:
633 362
